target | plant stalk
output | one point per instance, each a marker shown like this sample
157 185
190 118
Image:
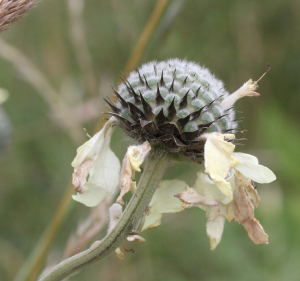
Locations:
155 168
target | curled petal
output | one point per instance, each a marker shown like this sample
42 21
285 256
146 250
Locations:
132 161
164 201
256 231
219 160
80 174
244 214
250 168
248 89
191 198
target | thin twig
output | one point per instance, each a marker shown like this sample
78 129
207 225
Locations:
36 260
145 36
38 80
139 48
12 10
89 228
79 42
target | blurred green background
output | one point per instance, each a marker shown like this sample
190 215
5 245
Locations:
235 40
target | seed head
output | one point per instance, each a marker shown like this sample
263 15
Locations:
171 104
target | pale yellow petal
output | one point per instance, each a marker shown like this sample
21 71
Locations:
219 160
120 254
215 224
207 188
222 184
164 201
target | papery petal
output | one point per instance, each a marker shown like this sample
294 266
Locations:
96 159
248 89
103 179
215 224
256 231
92 195
247 185
250 168
191 198
244 214
164 201
219 160
207 188
132 161
222 184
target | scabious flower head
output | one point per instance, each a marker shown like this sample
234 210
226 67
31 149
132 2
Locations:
171 104
181 109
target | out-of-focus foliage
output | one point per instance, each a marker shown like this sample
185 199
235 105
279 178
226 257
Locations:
235 40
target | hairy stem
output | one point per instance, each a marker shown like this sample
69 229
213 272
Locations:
155 168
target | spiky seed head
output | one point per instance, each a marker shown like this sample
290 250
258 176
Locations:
170 104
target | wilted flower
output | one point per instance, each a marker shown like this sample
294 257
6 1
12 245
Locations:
179 109
233 202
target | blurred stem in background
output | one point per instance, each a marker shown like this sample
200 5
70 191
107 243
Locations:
79 43
43 86
33 264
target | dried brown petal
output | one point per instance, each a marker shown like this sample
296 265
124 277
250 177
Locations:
133 159
192 198
80 174
244 214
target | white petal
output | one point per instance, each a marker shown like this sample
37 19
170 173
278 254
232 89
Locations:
215 224
115 213
96 159
106 171
91 197
250 168
164 201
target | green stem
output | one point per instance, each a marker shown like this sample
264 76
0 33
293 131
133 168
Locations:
155 168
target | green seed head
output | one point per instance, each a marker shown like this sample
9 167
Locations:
171 104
